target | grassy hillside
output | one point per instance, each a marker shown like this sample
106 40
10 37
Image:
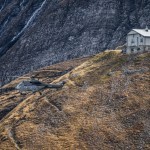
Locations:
104 105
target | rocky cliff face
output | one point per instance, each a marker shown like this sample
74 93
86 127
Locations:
42 32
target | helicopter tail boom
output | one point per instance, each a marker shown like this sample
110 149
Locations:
58 85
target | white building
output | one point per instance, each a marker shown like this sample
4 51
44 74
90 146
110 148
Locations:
138 40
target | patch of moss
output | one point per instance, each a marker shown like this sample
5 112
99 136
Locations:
122 60
105 56
104 78
142 57
78 80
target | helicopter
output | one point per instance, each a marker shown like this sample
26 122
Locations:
34 85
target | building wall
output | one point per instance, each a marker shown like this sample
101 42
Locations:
136 40
147 41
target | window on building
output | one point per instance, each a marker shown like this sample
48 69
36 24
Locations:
132 41
138 49
142 40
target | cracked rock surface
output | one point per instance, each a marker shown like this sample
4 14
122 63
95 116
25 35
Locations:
42 32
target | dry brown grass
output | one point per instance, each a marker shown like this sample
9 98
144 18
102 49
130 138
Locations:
99 108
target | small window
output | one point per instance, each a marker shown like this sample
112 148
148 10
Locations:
138 49
132 50
142 40
132 41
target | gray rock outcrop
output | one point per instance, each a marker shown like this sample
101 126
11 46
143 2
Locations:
38 33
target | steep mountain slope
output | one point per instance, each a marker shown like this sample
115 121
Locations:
41 32
104 105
